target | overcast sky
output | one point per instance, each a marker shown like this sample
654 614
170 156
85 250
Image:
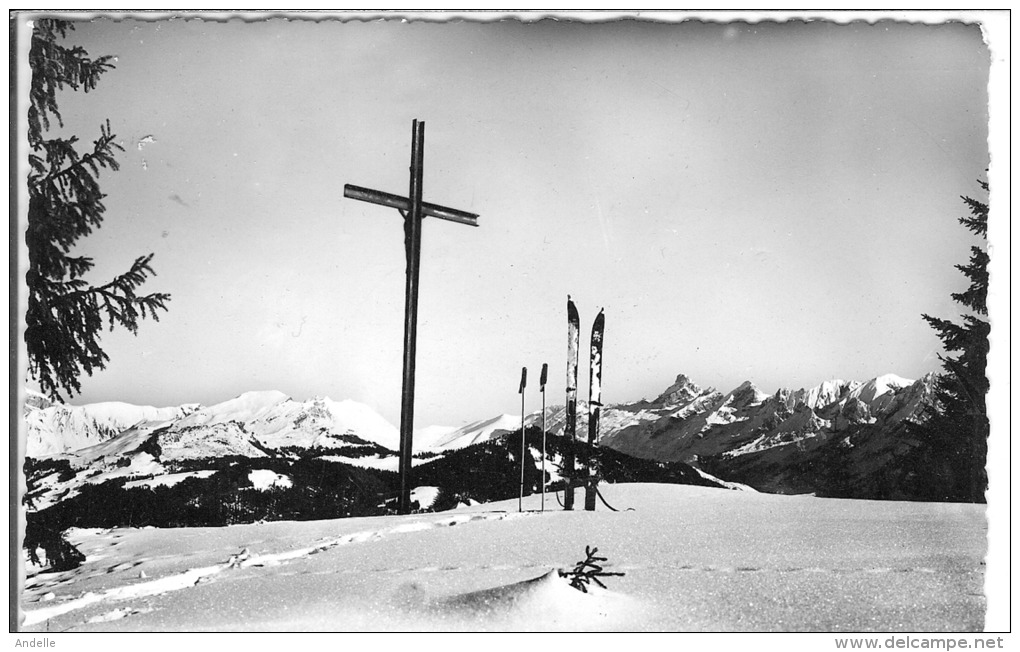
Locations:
766 202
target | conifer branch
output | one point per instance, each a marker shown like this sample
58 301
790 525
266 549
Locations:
949 455
59 150
588 570
66 314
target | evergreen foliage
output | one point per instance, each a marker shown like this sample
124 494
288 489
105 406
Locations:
320 490
948 463
485 472
588 570
613 466
491 471
65 312
58 554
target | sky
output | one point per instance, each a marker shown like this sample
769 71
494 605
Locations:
773 202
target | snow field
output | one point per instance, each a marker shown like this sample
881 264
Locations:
694 558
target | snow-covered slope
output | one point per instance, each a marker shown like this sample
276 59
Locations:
243 425
878 392
55 428
275 421
692 558
429 437
821 395
114 440
478 431
246 407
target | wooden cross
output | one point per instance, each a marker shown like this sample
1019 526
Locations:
412 209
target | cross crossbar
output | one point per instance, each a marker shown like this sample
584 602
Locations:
402 204
412 209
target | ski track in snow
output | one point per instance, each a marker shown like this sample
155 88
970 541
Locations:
694 559
245 559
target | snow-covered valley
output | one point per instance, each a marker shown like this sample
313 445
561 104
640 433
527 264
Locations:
694 558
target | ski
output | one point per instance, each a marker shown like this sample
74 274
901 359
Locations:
594 409
541 382
570 425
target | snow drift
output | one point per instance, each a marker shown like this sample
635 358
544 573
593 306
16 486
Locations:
694 558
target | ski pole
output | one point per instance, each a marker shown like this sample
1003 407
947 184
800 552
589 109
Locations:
524 383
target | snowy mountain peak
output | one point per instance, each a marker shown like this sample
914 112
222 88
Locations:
277 421
880 386
257 399
59 428
823 394
683 390
893 381
241 425
746 395
350 416
239 408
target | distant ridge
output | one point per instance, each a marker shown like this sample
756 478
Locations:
783 442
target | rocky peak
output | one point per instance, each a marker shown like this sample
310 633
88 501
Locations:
681 391
783 396
746 395
855 411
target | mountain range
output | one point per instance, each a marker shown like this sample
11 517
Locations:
839 437
252 424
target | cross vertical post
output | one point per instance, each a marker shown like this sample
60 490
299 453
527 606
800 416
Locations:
412 244
413 210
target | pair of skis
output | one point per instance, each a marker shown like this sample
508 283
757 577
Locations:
594 407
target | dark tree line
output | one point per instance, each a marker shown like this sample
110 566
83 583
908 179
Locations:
320 489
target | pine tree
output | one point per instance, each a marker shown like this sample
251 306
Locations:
66 313
949 462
